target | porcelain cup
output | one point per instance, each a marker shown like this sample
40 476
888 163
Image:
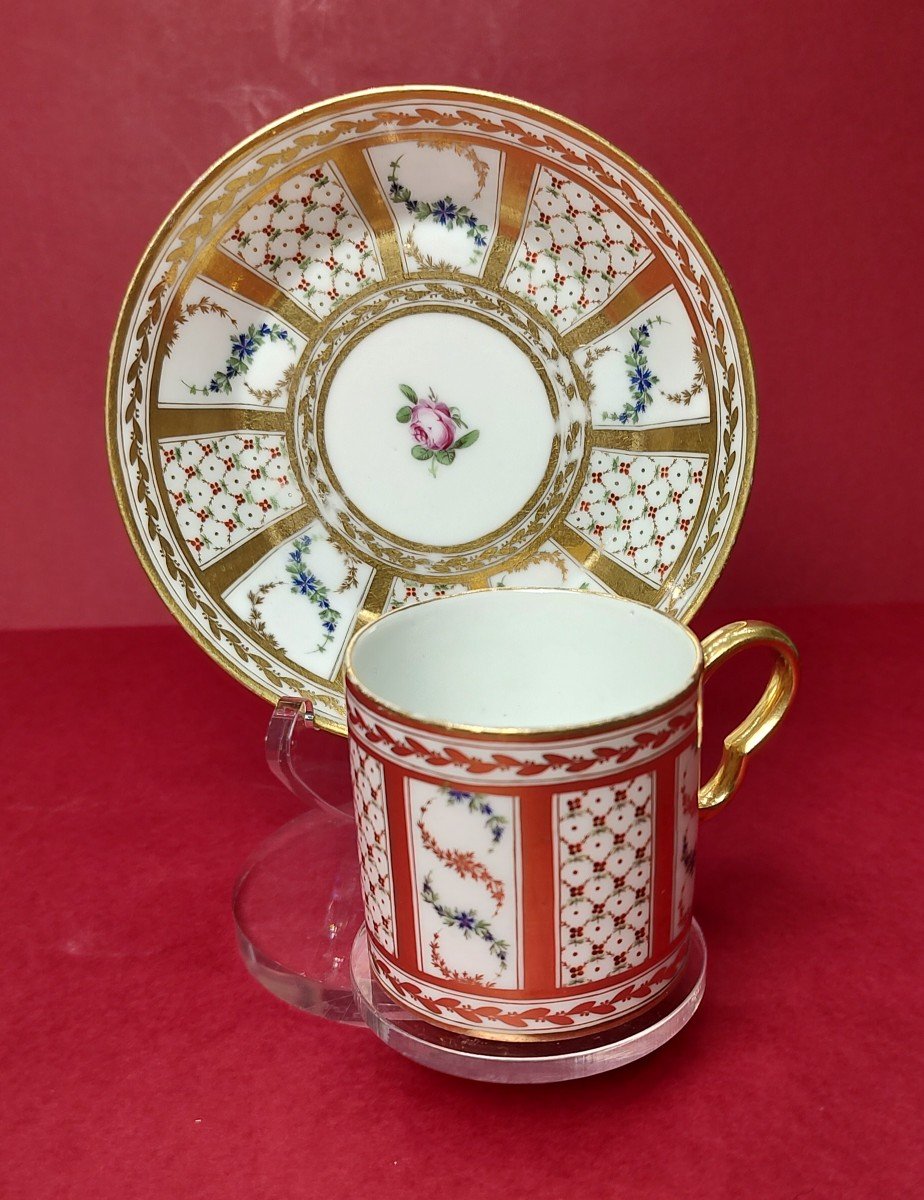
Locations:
525 768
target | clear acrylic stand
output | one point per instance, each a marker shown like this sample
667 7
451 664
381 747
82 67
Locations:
298 912
297 904
530 1061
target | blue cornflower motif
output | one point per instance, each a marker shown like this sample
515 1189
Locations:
456 795
243 346
265 330
323 603
623 418
487 810
465 920
395 188
497 833
445 211
411 206
214 386
329 626
283 333
643 330
636 347
305 584
480 240
471 220
488 936
640 379
639 406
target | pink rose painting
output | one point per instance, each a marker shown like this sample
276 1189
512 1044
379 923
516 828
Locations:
435 427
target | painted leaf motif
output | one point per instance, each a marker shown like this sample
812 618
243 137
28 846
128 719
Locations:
421 452
409 392
404 414
466 440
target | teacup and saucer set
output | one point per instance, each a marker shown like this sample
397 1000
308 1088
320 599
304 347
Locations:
432 419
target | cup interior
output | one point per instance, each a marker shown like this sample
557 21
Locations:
529 660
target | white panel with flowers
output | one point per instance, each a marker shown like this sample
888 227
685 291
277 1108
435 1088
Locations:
685 830
443 196
222 350
466 869
648 370
303 598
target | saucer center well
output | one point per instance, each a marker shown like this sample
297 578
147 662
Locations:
438 427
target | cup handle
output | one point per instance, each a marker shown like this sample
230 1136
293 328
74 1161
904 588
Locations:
766 714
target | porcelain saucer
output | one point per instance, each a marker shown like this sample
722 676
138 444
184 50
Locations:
412 341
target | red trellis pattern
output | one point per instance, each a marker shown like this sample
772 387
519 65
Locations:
604 847
372 836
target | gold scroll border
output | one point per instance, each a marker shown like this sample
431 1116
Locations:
213 209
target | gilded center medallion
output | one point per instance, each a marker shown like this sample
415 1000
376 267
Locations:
440 428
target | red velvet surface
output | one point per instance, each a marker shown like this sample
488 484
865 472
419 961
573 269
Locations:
140 1060
788 130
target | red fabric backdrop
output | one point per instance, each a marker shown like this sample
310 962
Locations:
786 130
136 1057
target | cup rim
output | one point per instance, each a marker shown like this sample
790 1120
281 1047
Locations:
527 733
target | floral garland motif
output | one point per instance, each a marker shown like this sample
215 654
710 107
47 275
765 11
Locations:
205 304
699 379
240 360
461 150
434 426
642 379
463 862
302 582
467 920
442 966
444 212
477 803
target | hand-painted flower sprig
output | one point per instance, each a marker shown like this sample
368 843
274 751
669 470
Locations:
445 212
240 360
435 428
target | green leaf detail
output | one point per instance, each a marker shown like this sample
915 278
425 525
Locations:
421 453
445 457
465 440
404 414
409 393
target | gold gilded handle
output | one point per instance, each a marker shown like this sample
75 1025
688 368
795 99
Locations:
764 717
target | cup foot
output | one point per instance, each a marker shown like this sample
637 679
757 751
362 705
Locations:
527 1061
